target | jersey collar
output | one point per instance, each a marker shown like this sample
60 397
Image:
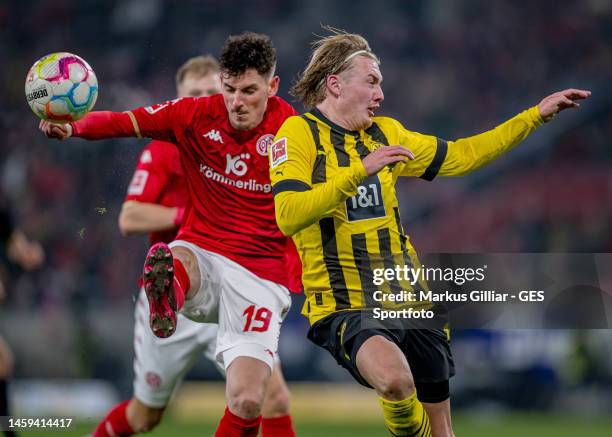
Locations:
317 113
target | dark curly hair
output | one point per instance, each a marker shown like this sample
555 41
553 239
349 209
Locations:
246 51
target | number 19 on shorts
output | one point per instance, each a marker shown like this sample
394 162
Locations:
257 319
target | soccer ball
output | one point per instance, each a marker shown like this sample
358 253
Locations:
61 87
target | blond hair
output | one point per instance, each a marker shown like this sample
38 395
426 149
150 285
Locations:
199 65
331 55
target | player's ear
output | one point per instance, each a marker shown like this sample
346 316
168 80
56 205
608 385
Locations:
333 85
273 86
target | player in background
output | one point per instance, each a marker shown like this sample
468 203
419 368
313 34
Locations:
334 170
155 204
229 262
29 255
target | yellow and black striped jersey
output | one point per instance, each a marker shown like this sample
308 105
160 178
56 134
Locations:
345 223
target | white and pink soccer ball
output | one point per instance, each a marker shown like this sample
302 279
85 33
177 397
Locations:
61 87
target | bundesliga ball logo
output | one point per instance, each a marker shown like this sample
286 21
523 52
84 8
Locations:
61 87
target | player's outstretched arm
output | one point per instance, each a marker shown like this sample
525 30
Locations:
468 154
557 102
158 122
141 218
96 125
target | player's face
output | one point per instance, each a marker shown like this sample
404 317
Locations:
194 85
246 97
360 92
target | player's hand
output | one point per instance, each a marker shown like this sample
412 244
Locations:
557 102
53 130
385 155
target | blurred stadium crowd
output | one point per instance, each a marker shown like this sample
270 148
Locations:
450 68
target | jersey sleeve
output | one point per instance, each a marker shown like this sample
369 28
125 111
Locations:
159 122
298 203
163 121
151 175
436 156
291 155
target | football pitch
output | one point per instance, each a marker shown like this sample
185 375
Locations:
347 410
511 425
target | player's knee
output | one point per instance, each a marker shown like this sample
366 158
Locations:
396 386
246 404
185 255
190 263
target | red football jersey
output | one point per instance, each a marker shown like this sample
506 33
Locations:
227 172
159 179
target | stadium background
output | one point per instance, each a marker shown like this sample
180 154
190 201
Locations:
452 68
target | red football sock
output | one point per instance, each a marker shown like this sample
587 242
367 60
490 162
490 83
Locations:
234 426
182 284
277 427
115 423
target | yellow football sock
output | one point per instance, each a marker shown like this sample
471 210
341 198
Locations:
406 417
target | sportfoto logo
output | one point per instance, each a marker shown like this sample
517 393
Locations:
214 135
236 165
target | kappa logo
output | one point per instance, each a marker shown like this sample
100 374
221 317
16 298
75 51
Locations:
236 165
214 135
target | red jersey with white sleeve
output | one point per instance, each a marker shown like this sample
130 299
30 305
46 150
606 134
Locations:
227 172
159 179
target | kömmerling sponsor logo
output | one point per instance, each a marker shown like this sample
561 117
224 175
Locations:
250 185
